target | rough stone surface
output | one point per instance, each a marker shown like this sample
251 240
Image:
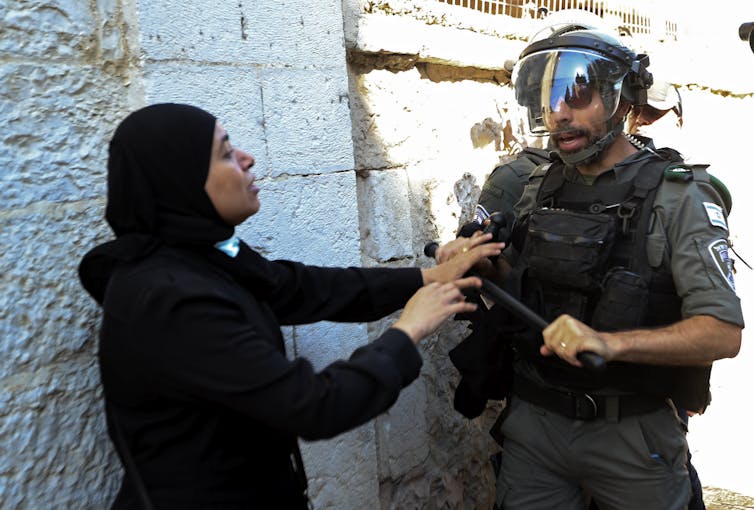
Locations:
51 423
408 94
721 499
296 221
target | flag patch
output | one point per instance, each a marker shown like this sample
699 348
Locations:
719 251
715 215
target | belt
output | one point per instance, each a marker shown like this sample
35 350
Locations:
586 406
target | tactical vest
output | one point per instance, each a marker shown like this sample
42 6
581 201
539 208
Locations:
583 252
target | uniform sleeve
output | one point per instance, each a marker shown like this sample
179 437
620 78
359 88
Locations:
310 293
215 351
504 186
690 234
522 209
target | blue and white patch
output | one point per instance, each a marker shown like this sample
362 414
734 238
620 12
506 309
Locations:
715 215
481 214
719 251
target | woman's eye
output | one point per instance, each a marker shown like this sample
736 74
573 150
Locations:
229 154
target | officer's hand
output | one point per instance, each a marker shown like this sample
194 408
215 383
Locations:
566 337
431 305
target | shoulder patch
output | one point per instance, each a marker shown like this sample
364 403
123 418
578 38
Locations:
718 249
715 215
480 214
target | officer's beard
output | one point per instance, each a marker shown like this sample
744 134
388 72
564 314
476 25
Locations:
596 143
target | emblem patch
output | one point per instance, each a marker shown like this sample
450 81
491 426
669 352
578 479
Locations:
715 215
719 251
480 214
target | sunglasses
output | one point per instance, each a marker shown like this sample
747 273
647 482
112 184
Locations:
579 95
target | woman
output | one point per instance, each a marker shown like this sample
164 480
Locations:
202 404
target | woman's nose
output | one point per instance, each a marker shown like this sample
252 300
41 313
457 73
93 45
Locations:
245 159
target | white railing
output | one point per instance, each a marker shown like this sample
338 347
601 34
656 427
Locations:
636 17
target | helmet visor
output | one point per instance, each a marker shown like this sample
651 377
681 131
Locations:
549 81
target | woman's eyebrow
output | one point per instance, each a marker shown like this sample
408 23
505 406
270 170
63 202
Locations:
223 139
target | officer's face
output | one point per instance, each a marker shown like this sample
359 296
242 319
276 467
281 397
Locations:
576 127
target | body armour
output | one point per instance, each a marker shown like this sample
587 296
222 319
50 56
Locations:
583 252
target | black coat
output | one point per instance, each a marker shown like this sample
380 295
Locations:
195 373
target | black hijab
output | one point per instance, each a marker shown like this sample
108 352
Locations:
158 163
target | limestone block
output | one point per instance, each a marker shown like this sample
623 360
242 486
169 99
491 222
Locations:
58 120
343 471
310 219
47 314
52 416
402 433
232 93
298 34
386 224
48 29
433 42
325 342
301 33
307 121
402 118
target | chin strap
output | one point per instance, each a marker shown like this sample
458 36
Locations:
591 153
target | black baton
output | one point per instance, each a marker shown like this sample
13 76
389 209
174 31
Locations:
590 360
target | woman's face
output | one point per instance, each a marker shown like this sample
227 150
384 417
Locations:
230 182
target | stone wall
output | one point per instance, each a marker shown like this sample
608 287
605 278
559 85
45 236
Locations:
374 124
65 69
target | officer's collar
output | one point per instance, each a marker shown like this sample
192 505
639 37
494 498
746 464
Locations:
621 172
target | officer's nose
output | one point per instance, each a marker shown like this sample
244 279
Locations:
561 114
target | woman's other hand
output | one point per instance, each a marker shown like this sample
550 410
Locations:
431 305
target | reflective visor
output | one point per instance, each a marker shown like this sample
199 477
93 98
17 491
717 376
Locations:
550 80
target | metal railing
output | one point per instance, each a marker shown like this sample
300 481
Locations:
636 17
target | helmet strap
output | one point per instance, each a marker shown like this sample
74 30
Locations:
591 153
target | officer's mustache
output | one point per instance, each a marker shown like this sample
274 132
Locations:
569 132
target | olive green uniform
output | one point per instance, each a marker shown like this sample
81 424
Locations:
636 461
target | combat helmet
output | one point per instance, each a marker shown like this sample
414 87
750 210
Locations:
566 68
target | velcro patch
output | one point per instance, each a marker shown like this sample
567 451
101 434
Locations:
719 251
715 215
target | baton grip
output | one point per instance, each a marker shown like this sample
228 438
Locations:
430 249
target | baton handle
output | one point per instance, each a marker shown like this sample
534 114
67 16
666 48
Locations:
592 361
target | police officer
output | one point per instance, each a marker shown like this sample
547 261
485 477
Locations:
625 249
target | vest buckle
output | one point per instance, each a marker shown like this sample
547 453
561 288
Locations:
626 211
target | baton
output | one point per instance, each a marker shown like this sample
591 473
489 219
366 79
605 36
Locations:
590 360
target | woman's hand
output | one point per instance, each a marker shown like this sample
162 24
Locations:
459 255
431 305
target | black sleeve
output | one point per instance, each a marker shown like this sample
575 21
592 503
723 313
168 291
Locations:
215 352
311 293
